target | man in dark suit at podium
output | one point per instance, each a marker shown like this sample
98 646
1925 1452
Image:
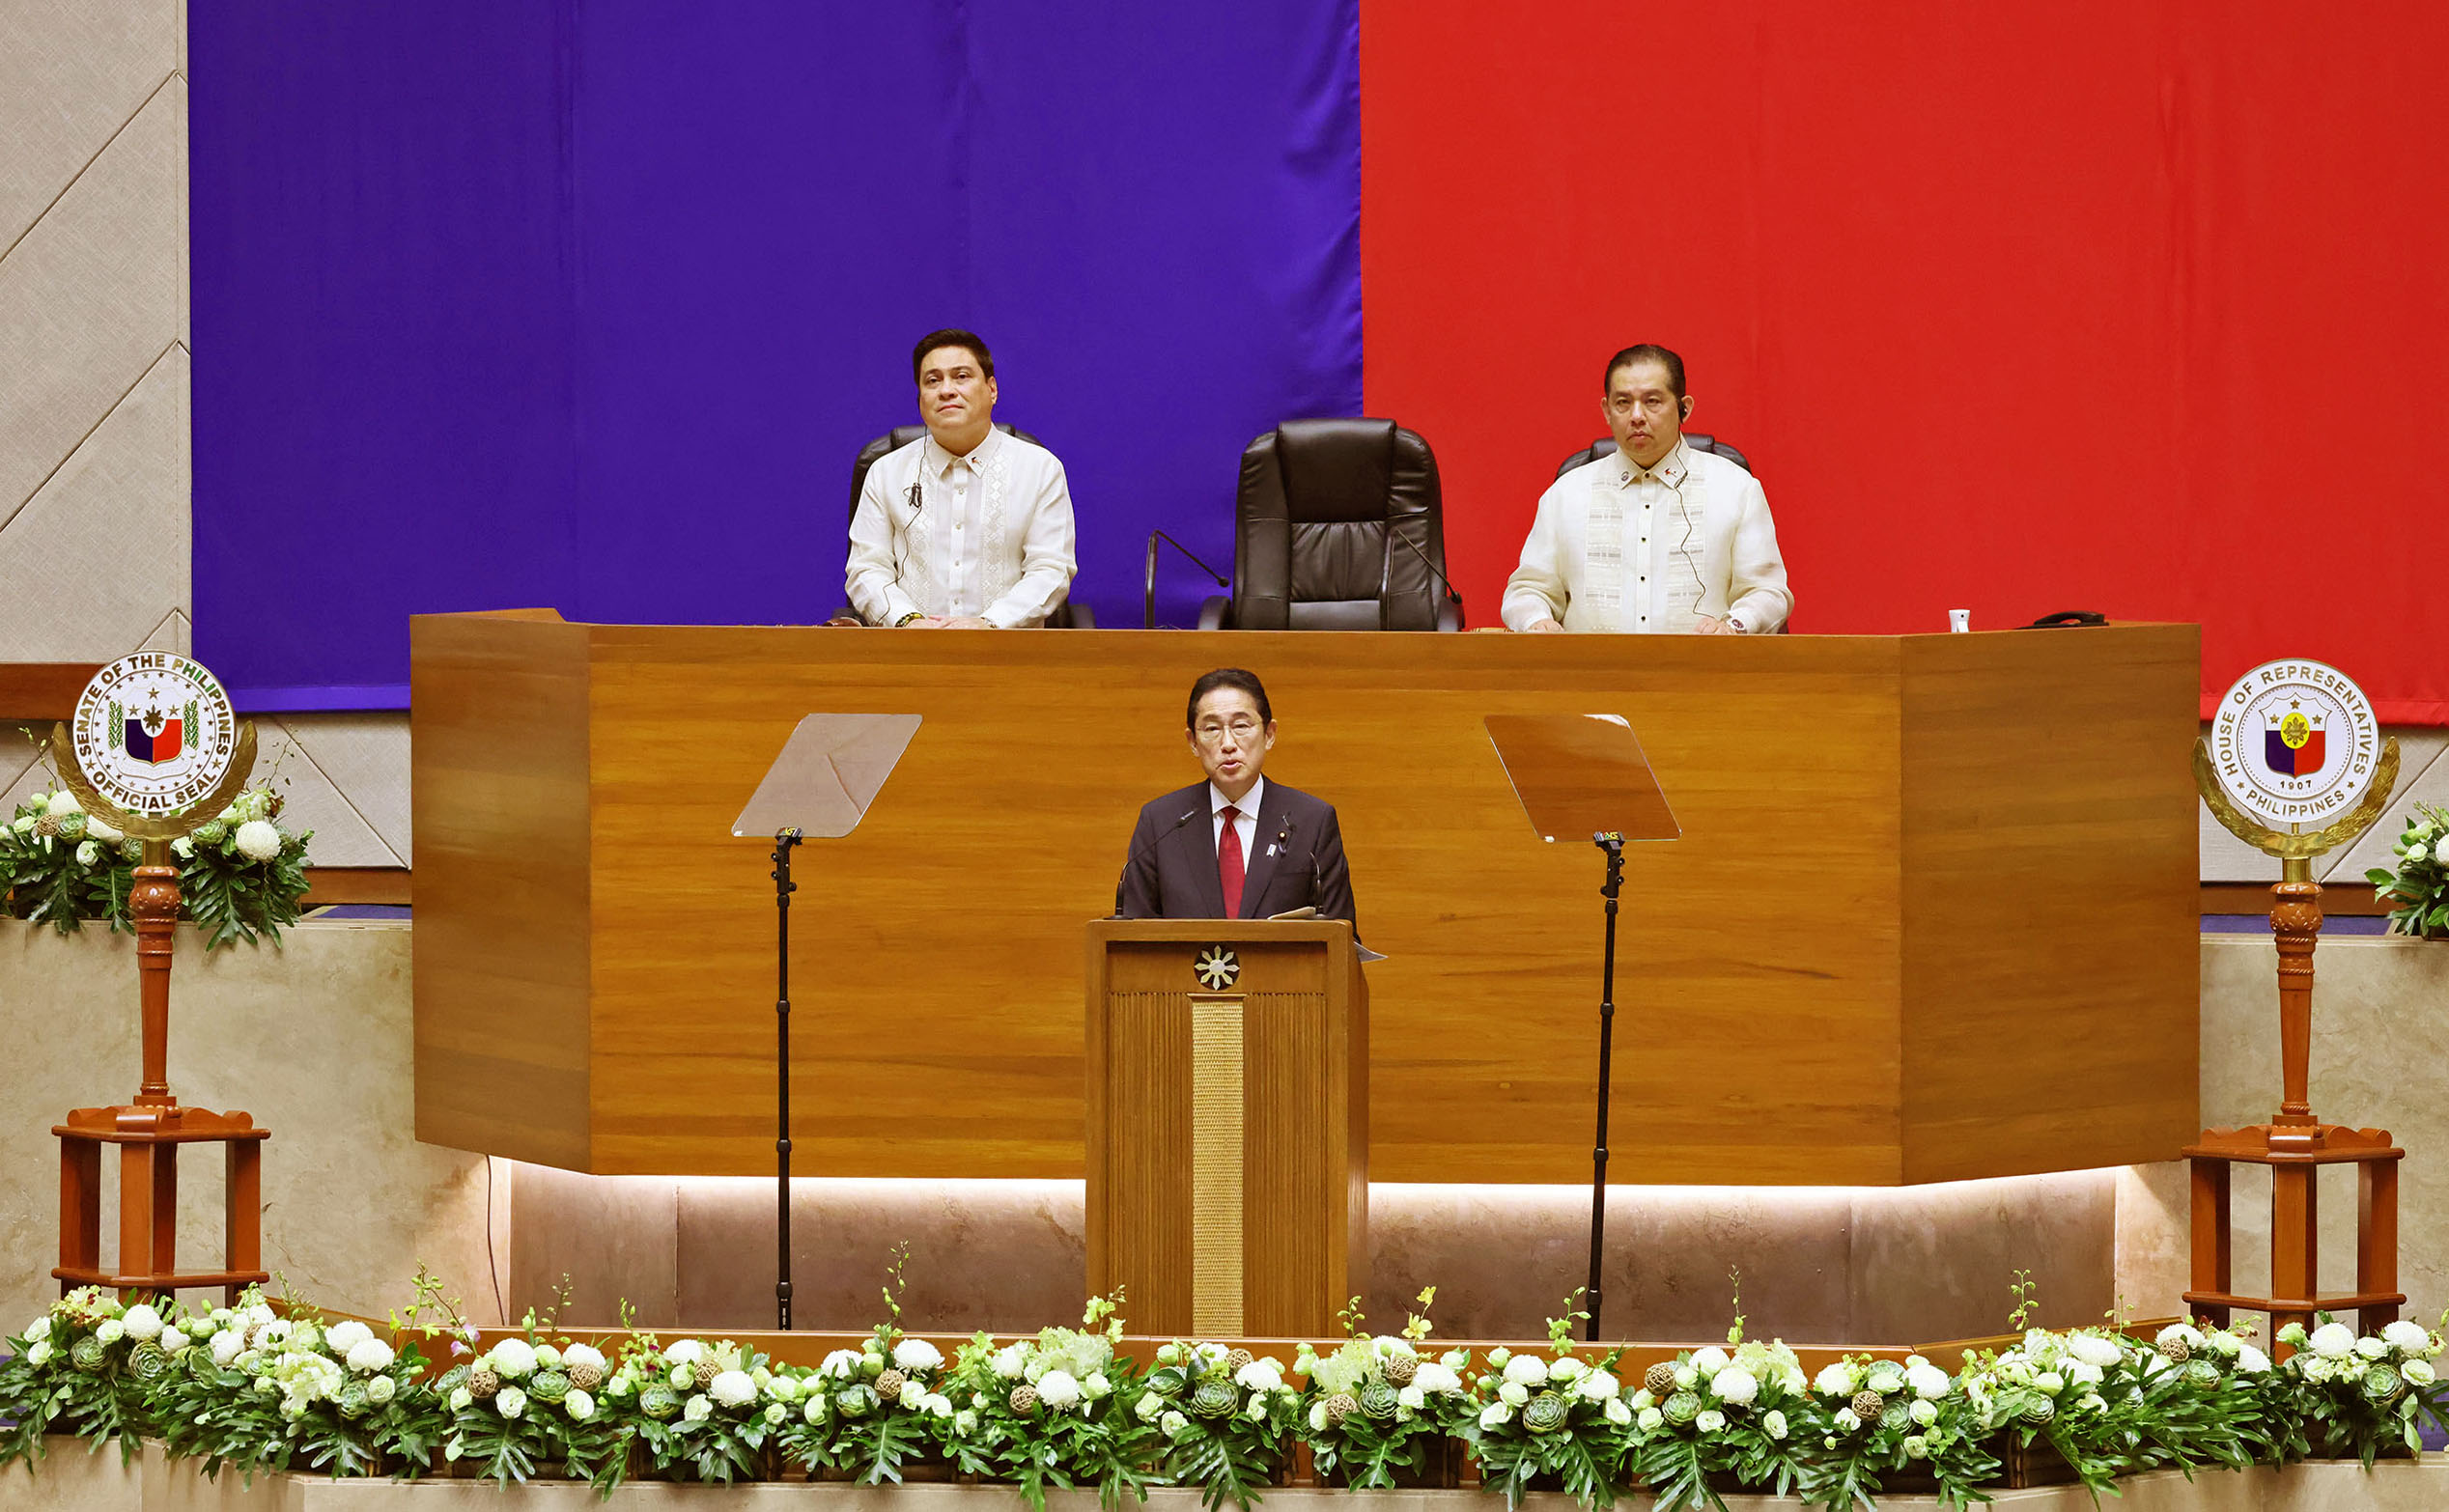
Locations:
1236 846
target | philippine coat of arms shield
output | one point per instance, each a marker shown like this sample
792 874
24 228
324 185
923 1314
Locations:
2295 748
152 736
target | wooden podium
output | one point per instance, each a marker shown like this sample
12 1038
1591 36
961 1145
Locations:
1228 1115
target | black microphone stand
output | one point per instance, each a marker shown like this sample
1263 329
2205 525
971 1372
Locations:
783 888
1614 845
1149 616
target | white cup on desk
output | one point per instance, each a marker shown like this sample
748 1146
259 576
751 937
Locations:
1959 621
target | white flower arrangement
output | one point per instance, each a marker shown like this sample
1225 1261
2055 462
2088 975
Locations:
241 874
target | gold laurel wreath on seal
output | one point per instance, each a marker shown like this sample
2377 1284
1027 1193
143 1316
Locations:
161 829
2297 847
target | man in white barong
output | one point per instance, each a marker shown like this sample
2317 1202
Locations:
968 527
1656 537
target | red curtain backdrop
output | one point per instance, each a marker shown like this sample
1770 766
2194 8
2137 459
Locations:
2137 307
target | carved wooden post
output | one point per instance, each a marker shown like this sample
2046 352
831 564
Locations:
153 901
2295 923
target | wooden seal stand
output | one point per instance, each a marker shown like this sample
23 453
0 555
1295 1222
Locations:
150 1127
2295 1144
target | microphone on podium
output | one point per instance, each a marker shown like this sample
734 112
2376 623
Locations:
1386 577
1138 851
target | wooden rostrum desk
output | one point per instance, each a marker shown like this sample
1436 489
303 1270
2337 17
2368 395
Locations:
1932 916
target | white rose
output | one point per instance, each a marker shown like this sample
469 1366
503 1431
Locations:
813 1409
105 832
734 1388
1011 1360
1565 1369
2251 1360
1686 1378
65 802
38 1328
1837 1379
510 1401
916 1354
840 1365
1929 1382
2416 854
2334 1341
1615 1412
2372 1348
173 1340
1173 1424
579 1405
1735 1385
697 1409
2094 1350
914 1393
227 1345
688 1351
1255 1409
183 848
1513 1393
38 1352
1412 1396
88 853
1598 1385
1650 1419
111 1331
142 1322
1917 1448
347 1334
1097 1385
1710 1361
965 1423
1773 1423
369 1356
578 1354
1151 1403
1924 1412
513 1358
2175 1333
1710 1420
2409 1337
1256 1376
1318 1416
380 1389
1526 1370
259 841
1434 1377
1494 1416
1846 1419
2418 1372
1058 1389
2082 1374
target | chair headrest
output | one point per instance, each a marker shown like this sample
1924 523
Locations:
1337 470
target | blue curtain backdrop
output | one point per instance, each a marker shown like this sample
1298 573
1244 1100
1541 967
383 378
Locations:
536 302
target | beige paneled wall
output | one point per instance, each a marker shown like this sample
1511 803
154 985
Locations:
95 474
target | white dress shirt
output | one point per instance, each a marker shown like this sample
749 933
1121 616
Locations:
1245 819
1618 546
988 536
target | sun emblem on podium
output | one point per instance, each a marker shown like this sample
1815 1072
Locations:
1217 967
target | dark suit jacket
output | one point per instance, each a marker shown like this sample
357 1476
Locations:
1296 860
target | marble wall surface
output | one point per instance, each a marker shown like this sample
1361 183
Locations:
311 1039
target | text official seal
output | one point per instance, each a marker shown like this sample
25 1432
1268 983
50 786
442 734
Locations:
2295 743
155 733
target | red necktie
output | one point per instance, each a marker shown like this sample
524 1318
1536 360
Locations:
1229 861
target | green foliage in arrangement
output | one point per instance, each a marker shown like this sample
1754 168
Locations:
241 875
259 1388
2420 883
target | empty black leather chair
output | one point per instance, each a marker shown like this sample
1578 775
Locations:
1065 615
1605 446
1335 525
